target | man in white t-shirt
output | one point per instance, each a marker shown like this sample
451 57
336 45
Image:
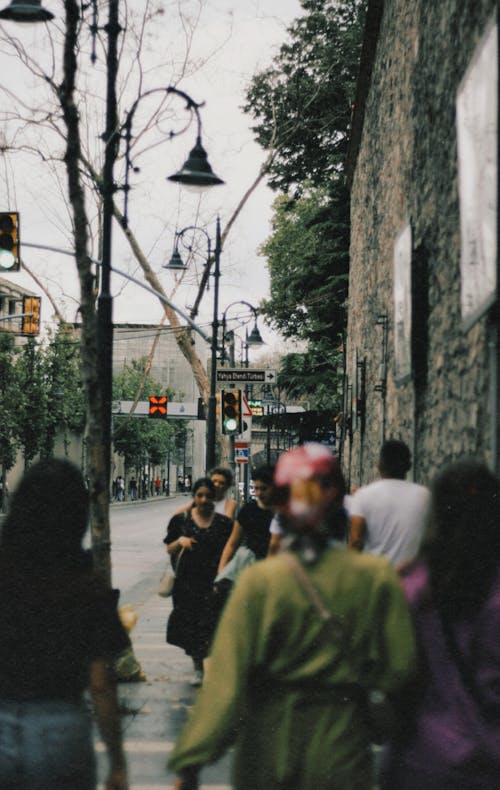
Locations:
388 517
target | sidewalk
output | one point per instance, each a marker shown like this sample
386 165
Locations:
154 711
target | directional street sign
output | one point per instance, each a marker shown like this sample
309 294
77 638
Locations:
246 374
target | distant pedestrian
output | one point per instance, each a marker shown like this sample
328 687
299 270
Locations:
449 735
120 488
287 685
60 632
222 478
388 516
157 486
187 483
132 489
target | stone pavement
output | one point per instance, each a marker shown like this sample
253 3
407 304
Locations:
155 710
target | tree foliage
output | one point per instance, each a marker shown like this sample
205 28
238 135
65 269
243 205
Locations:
307 256
302 107
9 394
41 391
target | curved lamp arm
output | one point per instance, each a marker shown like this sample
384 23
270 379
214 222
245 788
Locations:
223 322
196 171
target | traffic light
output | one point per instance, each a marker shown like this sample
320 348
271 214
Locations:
31 315
10 259
158 407
231 411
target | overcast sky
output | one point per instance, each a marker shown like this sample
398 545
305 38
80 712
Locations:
238 37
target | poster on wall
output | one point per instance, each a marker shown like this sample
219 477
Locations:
402 305
476 119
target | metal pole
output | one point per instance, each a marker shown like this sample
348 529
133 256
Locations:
211 415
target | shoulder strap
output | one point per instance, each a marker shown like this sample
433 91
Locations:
177 559
307 586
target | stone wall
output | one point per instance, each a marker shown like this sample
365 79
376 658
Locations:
406 174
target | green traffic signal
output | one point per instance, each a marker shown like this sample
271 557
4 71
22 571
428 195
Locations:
231 411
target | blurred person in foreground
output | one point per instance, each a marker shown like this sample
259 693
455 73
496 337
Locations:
60 632
286 688
450 732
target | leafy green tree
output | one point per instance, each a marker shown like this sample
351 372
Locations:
64 390
307 256
302 108
31 409
302 105
9 398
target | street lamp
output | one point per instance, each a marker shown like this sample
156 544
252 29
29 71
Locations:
196 172
252 339
26 11
176 264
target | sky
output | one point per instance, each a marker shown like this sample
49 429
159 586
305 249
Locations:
229 41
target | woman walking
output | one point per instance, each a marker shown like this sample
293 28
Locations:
200 534
59 634
450 733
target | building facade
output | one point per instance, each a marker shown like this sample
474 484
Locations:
133 342
422 340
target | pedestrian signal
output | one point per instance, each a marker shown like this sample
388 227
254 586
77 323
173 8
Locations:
9 241
231 411
31 315
158 406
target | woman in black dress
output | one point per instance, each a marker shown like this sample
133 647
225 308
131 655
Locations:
201 534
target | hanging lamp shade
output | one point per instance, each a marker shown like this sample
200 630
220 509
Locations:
196 171
254 338
26 11
175 263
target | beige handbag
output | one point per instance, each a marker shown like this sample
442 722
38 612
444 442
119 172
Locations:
167 581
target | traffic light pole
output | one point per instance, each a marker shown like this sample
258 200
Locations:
211 411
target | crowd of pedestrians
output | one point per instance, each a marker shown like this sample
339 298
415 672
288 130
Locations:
307 613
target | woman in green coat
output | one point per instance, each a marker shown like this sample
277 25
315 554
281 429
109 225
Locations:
291 667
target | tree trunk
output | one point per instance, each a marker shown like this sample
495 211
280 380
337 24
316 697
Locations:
98 488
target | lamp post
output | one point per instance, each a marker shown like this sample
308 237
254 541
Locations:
252 339
176 264
196 172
